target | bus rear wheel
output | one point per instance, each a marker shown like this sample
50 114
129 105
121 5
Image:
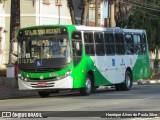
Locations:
127 83
43 94
87 90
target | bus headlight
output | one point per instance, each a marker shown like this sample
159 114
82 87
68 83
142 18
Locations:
22 78
68 72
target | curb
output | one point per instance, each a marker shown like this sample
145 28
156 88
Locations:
143 82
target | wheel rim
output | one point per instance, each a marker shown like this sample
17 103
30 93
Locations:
88 85
128 81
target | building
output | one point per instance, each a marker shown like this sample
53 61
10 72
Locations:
102 13
33 12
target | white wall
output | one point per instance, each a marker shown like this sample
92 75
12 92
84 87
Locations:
48 14
2 42
37 14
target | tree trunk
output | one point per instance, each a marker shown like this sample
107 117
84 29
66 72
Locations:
85 12
14 24
71 9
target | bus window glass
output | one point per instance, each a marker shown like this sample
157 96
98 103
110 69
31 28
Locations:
77 40
108 38
129 44
109 43
88 37
89 45
119 38
44 49
100 49
98 37
138 44
89 49
99 43
120 49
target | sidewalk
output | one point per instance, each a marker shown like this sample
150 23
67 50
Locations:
9 87
154 80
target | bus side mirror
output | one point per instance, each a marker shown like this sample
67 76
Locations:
77 46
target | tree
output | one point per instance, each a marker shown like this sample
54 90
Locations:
78 9
145 15
14 24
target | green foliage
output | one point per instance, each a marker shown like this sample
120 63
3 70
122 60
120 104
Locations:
147 17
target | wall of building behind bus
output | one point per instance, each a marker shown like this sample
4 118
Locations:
37 14
2 35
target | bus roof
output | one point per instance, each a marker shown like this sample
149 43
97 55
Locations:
87 28
133 30
116 29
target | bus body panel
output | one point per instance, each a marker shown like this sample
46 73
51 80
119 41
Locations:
106 69
63 83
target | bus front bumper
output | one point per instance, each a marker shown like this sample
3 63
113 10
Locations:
65 83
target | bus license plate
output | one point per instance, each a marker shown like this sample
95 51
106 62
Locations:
42 84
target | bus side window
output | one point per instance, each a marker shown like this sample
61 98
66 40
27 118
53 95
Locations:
119 41
99 43
109 43
129 44
137 43
89 45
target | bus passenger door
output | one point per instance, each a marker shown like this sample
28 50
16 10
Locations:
78 61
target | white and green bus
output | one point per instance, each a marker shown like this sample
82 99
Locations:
61 57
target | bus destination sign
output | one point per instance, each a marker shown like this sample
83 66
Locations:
42 32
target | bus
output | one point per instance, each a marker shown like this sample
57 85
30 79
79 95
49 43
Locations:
66 57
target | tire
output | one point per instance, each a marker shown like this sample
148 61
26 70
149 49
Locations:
55 91
87 90
118 87
127 83
43 94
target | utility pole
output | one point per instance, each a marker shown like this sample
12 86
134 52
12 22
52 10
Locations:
96 12
112 20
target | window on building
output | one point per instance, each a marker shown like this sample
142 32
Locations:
119 41
99 43
129 44
89 45
109 43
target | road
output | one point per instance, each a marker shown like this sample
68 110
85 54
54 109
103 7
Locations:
139 98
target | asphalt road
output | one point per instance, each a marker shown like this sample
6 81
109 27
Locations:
139 98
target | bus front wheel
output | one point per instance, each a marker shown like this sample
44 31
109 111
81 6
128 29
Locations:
87 90
43 94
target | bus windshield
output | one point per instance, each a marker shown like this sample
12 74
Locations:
49 48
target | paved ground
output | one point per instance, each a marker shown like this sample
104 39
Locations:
140 98
11 91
